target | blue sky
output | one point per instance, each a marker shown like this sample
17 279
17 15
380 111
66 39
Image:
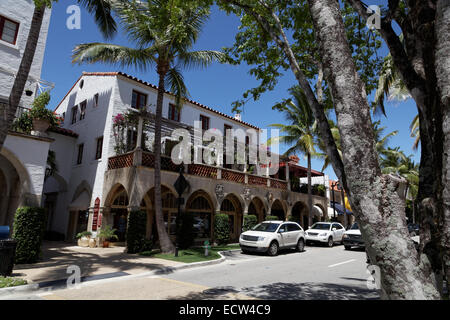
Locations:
217 86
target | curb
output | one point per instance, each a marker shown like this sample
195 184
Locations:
36 287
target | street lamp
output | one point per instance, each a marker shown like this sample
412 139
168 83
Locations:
180 185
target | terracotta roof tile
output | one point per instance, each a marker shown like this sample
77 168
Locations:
106 74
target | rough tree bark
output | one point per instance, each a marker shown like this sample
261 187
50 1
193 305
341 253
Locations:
164 240
417 63
378 200
443 78
7 115
310 205
277 34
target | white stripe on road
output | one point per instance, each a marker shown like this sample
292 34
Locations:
338 264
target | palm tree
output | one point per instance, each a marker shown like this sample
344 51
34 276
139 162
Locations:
103 17
300 133
164 33
396 162
391 85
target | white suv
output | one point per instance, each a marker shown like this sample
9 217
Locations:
270 236
325 232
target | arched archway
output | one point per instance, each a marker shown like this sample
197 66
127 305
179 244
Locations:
15 187
201 206
278 210
118 201
257 208
299 211
232 207
169 210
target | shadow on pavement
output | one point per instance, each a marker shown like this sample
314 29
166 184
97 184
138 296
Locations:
289 291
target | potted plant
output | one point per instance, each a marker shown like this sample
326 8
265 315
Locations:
83 238
42 117
107 233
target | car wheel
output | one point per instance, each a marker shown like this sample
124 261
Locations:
244 251
330 242
273 249
301 245
347 247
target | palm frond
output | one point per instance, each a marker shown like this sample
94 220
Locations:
175 82
201 58
102 11
113 54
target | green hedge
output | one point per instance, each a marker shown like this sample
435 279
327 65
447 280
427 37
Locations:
186 232
221 228
250 221
137 224
29 228
270 218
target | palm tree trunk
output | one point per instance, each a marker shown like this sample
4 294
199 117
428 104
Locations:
164 240
7 116
309 190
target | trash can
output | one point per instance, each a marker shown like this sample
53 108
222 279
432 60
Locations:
7 254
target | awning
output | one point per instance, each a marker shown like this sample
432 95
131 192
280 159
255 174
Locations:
339 208
317 211
81 203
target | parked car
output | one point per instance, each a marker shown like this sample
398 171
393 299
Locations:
271 236
413 229
325 232
352 238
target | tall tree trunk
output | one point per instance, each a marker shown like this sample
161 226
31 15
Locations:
377 199
164 240
7 116
425 30
277 34
310 217
443 78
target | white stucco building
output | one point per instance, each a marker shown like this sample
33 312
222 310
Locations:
93 173
23 156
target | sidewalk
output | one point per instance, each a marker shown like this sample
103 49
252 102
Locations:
93 262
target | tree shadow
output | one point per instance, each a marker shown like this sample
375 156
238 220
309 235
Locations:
57 256
289 291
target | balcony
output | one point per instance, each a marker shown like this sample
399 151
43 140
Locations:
147 159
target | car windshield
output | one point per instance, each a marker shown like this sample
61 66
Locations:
266 227
354 227
321 226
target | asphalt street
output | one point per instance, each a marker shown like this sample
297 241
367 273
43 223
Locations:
318 273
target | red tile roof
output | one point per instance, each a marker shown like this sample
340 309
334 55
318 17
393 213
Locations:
109 74
65 132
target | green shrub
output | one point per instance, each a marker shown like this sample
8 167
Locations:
318 190
250 221
137 223
148 245
29 227
270 218
221 228
86 234
294 218
185 232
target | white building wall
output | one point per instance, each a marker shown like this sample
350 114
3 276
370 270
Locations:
32 155
97 123
115 96
21 11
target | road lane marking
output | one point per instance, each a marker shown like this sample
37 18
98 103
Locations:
338 264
